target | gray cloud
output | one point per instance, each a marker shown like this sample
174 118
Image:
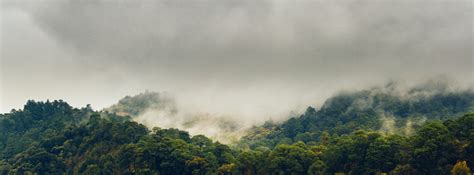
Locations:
263 37
227 56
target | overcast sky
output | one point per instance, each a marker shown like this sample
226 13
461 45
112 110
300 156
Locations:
254 58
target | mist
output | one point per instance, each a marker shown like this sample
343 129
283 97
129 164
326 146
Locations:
392 105
256 60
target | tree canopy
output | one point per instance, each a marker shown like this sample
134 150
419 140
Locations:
55 138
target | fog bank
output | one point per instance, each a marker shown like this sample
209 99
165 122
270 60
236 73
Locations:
252 59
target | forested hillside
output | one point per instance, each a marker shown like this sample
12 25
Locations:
236 87
55 138
159 109
379 109
139 104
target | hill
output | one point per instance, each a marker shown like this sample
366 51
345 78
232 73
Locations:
154 109
55 138
387 109
380 130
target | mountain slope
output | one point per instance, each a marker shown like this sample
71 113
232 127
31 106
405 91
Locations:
383 109
55 138
155 109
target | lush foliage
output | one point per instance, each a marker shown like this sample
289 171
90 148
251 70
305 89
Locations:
381 109
55 138
136 105
59 142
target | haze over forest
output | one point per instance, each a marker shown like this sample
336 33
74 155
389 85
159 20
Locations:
251 59
237 87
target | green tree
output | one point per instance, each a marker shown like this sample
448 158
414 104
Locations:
288 159
227 169
317 168
198 166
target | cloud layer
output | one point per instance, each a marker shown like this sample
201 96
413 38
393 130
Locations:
249 58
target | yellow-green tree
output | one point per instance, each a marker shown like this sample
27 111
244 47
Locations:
461 168
227 169
198 165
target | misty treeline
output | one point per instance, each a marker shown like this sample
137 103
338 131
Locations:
361 132
383 109
154 109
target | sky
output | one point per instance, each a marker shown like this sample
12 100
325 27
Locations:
251 58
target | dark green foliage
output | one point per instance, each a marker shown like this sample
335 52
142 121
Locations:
434 149
135 105
364 152
37 121
463 131
363 110
54 138
289 159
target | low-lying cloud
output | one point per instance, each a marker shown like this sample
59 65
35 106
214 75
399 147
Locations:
253 59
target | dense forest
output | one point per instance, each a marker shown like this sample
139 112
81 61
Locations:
379 109
365 132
